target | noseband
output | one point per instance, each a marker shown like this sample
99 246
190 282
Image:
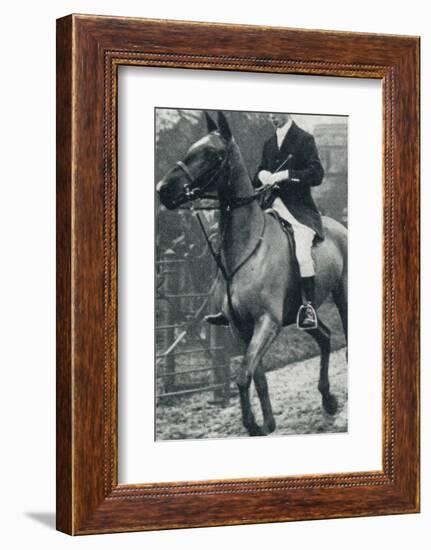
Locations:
199 192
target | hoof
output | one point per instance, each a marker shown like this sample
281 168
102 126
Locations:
255 431
270 427
330 404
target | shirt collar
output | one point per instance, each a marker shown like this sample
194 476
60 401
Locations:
281 132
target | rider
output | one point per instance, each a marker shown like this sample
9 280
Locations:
291 165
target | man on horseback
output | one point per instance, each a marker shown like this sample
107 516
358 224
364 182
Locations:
290 166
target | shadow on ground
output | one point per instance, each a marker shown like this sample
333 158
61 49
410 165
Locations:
45 518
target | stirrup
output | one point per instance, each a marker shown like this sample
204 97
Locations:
217 319
314 322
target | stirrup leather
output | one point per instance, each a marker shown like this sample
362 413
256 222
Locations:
312 317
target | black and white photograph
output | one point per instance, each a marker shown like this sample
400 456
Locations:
251 254
215 257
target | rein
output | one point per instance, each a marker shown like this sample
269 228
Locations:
193 193
237 202
217 254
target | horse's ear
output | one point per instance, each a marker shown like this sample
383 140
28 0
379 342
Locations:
224 127
212 126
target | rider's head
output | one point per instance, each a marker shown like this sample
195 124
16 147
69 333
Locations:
279 119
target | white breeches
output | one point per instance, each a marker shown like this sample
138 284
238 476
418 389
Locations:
303 236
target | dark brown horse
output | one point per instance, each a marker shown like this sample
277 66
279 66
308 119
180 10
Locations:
260 268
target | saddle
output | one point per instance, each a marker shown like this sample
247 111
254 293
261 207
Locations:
286 228
288 231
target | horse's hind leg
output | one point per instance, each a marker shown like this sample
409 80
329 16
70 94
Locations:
322 335
266 329
340 299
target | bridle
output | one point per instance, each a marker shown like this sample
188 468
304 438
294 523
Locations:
193 192
227 204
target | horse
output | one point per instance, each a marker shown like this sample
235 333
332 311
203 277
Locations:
260 268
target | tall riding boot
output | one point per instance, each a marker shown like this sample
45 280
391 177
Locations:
306 318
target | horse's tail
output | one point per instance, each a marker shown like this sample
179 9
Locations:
340 291
338 233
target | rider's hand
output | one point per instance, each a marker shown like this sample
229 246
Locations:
265 177
278 177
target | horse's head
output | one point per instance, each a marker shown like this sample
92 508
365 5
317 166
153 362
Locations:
202 168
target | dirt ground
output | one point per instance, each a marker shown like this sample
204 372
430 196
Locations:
295 400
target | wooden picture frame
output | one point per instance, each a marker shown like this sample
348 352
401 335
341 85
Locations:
89 51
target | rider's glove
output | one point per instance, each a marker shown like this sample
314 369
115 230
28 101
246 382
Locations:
265 177
278 177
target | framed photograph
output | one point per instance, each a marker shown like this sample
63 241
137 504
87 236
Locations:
237 274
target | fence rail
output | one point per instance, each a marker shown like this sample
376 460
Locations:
183 369
191 391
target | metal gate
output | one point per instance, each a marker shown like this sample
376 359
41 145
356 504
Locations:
191 356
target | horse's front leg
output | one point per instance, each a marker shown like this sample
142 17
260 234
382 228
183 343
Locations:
266 329
262 391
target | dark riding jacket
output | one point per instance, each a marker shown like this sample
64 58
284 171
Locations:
299 154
